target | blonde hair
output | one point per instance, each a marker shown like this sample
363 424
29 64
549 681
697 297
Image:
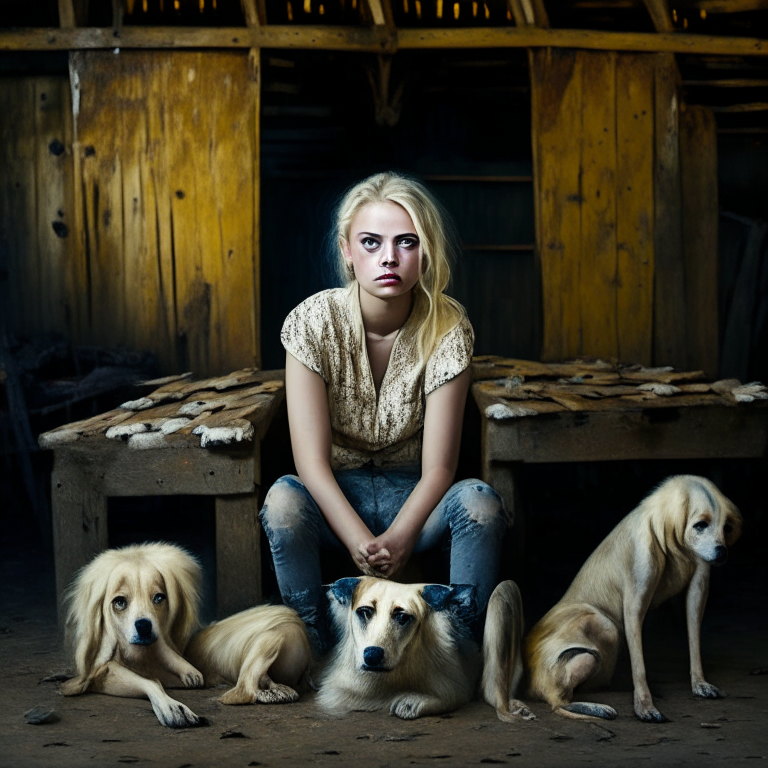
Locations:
435 313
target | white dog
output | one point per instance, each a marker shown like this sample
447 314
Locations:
405 648
667 544
131 612
264 651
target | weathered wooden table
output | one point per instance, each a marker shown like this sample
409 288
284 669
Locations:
185 438
594 411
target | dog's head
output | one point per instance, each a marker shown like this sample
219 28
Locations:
706 523
382 619
128 598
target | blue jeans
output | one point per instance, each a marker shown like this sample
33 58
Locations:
469 516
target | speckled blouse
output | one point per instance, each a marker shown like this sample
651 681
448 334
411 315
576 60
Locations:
324 333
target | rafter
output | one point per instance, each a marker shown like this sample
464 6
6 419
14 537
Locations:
67 14
529 13
660 16
376 39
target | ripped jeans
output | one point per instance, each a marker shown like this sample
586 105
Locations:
469 516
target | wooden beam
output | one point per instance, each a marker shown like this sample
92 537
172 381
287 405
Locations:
659 13
722 6
253 12
379 13
745 83
529 13
757 106
375 39
66 14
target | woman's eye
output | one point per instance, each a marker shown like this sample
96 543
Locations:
120 603
701 526
158 598
369 242
407 242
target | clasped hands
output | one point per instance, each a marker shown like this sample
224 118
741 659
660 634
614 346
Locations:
384 555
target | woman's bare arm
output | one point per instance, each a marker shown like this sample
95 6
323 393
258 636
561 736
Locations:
310 425
443 419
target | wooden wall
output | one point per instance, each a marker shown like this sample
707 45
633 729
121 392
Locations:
626 210
143 229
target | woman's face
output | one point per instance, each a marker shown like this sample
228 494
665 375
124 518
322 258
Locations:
384 249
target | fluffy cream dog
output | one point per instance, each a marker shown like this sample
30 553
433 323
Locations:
264 651
667 544
130 613
405 648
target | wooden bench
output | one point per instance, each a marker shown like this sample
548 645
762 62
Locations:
184 438
593 411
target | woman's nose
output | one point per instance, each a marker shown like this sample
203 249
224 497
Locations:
388 254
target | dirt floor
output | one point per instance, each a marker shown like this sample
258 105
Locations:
97 730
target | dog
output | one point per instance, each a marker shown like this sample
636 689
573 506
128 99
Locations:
669 542
405 648
264 651
131 611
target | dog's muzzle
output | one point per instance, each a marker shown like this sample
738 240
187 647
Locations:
721 555
372 658
143 634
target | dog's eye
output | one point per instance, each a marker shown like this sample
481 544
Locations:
365 612
700 526
401 617
120 603
159 598
727 528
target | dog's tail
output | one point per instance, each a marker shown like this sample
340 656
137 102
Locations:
502 653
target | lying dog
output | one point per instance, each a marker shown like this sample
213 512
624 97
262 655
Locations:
400 647
405 647
130 613
665 545
264 651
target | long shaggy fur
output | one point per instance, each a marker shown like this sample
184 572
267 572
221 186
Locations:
667 544
130 613
430 668
263 651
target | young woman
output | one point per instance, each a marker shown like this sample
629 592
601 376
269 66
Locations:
377 374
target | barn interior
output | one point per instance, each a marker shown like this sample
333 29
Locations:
168 172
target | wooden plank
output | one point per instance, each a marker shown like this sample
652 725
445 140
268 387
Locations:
66 14
79 523
659 13
377 39
669 276
723 6
598 267
238 554
634 205
698 164
556 86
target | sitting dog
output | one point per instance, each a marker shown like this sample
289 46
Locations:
130 613
264 651
400 647
667 544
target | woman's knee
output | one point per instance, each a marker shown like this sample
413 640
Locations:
478 504
286 504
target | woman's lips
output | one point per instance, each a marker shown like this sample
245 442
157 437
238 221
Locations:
390 278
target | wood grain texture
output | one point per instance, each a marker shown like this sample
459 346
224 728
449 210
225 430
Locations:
169 204
669 320
698 168
556 85
635 207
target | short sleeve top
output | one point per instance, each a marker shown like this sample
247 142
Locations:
323 333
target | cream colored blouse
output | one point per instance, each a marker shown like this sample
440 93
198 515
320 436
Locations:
324 333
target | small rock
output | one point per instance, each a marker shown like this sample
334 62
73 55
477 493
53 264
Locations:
602 734
759 671
40 715
710 725
561 737
60 677
233 735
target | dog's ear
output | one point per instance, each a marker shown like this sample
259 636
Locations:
343 589
459 597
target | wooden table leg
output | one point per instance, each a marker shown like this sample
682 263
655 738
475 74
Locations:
500 475
79 526
238 554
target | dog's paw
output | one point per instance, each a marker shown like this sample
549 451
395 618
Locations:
591 709
174 714
408 707
276 694
517 708
650 715
192 679
705 690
